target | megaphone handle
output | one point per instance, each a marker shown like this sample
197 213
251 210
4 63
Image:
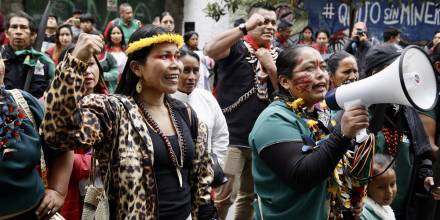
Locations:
361 135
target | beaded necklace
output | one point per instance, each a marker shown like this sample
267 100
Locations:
392 138
182 146
344 192
314 125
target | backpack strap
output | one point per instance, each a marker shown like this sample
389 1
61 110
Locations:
21 102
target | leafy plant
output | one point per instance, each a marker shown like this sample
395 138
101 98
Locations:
217 9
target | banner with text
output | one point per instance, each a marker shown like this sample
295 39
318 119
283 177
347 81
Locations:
417 20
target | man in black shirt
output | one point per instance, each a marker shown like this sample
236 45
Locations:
246 76
22 62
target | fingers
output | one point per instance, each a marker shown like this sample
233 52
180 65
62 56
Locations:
357 115
262 52
87 46
429 181
353 120
254 21
50 204
436 193
434 190
45 208
357 107
96 46
96 42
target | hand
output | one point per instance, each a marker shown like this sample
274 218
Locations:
70 21
87 45
363 38
353 120
2 71
266 60
51 203
429 186
254 21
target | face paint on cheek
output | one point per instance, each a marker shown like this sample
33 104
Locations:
302 83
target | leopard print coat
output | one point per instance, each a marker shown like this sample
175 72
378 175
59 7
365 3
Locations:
115 128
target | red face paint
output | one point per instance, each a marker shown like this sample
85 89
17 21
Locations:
302 83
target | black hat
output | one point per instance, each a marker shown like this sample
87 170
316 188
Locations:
379 56
284 25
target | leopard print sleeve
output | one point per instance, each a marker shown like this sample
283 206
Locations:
202 174
72 121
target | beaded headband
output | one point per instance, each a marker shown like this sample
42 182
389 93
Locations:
156 39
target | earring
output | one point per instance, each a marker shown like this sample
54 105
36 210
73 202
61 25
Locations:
139 86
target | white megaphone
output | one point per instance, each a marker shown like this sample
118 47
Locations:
410 80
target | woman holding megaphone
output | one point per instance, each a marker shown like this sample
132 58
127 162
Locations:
291 159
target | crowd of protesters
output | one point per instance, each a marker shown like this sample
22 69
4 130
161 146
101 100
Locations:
175 131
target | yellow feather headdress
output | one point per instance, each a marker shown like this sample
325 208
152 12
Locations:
156 39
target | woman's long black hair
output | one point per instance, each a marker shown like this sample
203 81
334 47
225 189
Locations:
307 28
58 32
287 61
334 59
187 36
127 84
108 40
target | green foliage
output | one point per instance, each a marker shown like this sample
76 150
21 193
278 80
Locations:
214 11
217 9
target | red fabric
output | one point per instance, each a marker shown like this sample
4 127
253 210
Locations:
50 52
72 208
107 28
254 44
5 40
282 40
321 49
214 91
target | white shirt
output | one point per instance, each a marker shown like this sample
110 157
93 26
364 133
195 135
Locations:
208 111
384 212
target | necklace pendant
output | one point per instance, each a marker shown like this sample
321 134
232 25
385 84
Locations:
179 176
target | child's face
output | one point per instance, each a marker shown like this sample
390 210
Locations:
383 188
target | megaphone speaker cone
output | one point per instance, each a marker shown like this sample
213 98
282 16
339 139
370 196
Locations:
410 80
418 78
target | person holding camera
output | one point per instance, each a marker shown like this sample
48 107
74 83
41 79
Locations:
359 45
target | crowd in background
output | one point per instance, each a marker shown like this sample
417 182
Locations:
176 131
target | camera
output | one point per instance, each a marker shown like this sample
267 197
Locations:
360 32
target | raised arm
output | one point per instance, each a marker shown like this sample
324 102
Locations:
302 171
71 122
219 47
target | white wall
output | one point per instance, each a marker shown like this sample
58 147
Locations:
206 27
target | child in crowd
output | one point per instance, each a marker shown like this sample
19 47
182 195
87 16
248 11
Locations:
381 191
